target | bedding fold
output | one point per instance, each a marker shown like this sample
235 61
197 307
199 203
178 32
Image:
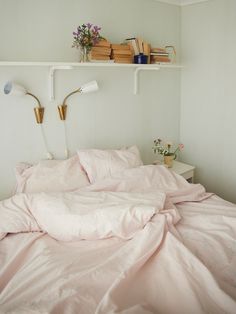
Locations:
118 206
157 244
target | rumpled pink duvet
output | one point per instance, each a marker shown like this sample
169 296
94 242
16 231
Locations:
143 241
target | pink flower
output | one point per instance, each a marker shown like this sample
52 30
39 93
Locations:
181 146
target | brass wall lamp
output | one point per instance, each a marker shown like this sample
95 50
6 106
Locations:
62 109
13 89
86 88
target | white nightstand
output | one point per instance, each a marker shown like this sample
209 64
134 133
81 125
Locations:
186 171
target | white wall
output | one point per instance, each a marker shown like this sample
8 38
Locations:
208 106
32 30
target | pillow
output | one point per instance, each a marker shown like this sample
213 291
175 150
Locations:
100 164
51 176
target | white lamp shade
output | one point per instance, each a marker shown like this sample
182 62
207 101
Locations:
13 89
89 87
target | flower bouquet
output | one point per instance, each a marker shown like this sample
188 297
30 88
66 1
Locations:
85 37
167 151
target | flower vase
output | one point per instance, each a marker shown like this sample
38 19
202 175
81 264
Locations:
168 160
84 54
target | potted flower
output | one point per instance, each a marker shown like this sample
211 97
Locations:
85 37
166 151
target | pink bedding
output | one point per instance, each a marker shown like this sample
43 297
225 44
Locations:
180 259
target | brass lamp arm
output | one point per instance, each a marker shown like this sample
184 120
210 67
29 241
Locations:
72 93
34 98
38 111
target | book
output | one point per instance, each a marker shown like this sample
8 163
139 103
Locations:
163 54
133 44
100 57
120 46
123 59
158 50
160 59
146 50
140 45
101 50
102 61
103 43
120 52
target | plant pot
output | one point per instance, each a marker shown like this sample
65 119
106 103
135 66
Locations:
168 160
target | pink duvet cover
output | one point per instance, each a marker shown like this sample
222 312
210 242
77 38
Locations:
180 259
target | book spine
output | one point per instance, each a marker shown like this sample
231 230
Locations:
134 45
103 43
120 46
99 57
121 52
140 45
146 50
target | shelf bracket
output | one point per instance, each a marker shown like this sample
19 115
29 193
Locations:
51 78
136 76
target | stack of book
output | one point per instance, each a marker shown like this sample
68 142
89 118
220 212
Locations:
121 53
101 51
159 55
139 46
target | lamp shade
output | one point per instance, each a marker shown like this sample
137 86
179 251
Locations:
13 89
89 87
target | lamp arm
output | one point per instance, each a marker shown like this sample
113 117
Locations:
72 93
38 111
34 98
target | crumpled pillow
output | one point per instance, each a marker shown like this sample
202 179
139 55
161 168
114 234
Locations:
100 164
50 176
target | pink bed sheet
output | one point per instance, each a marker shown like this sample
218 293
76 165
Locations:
167 267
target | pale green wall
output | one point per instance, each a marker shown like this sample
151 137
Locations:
32 30
208 106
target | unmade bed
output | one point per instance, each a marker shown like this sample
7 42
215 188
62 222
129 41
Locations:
142 240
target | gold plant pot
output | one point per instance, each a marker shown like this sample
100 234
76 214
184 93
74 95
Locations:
39 112
168 160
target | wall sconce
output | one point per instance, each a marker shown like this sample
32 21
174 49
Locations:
13 89
62 109
86 88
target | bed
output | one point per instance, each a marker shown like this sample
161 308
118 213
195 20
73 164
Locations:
133 239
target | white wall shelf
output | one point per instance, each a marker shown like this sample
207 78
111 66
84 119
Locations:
87 64
53 66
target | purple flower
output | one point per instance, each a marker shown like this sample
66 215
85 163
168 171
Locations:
96 28
86 35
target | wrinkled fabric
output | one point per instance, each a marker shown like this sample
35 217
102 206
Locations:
50 176
104 163
182 261
94 215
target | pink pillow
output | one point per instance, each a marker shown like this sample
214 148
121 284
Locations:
51 176
100 164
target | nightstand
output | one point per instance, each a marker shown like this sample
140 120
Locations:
185 170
